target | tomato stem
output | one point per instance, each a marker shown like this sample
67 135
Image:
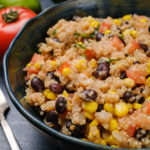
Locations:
11 16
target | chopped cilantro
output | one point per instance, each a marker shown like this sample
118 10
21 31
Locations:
83 55
108 60
92 35
39 51
58 66
121 37
76 34
54 32
84 35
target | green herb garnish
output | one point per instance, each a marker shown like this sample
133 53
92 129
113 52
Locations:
108 60
58 66
39 51
84 35
121 37
76 34
92 35
54 32
83 55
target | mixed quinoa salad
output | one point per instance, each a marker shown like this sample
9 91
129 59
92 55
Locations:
91 80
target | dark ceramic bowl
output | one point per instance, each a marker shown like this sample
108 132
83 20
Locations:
24 45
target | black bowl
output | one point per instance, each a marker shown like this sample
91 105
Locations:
24 45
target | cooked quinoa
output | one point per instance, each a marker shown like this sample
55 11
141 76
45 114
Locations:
91 79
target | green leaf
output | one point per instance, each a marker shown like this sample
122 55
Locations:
108 60
84 35
39 51
54 32
83 55
121 37
111 60
76 34
58 66
1 6
92 35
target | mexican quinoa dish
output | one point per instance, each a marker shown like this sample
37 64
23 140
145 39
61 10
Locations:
91 79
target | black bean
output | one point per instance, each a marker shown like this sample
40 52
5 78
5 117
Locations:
99 36
100 107
123 75
37 84
75 129
148 53
140 134
56 88
120 31
52 117
68 90
40 112
141 90
53 76
144 47
61 105
128 97
56 40
149 28
141 100
88 95
102 71
74 18
136 62
126 22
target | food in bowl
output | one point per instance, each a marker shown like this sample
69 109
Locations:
90 79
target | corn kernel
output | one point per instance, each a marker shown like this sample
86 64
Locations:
109 108
117 21
46 91
115 146
94 24
88 115
126 32
81 65
130 106
111 91
110 140
148 82
127 17
113 124
51 95
143 20
129 82
66 71
53 63
80 43
97 141
94 123
107 32
93 134
133 33
90 19
121 109
103 142
28 65
137 106
93 63
65 94
90 106
69 106
117 131
147 98
84 139
148 67
37 65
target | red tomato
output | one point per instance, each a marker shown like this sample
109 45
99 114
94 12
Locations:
9 30
131 130
137 75
116 42
103 27
90 54
133 47
63 65
37 58
148 107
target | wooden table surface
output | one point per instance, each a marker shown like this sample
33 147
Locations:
27 137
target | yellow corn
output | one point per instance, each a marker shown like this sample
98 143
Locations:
110 140
148 82
53 63
115 146
130 106
134 33
117 21
84 139
129 83
97 141
65 94
107 32
93 135
51 95
93 63
121 109
37 65
113 124
137 106
88 115
46 91
94 123
147 98
109 108
94 23
90 106
125 32
143 20
90 19
80 43
28 65
117 131
148 67
103 142
81 65
69 106
66 71
111 91
127 17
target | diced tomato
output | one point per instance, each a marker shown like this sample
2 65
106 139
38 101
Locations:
148 107
131 130
116 42
63 65
29 72
90 54
37 58
137 75
104 26
133 47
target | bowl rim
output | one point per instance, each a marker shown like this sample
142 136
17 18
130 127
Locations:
36 122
